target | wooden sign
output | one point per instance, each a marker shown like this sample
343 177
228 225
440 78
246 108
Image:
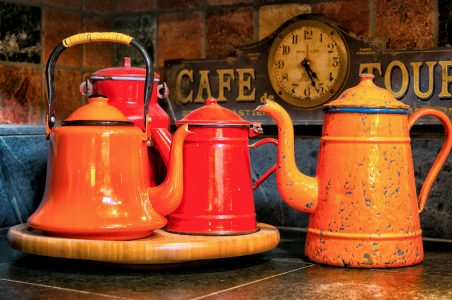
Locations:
304 64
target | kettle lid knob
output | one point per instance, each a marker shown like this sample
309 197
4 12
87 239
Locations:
211 101
126 62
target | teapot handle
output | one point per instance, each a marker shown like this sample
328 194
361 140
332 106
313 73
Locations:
443 153
269 171
90 37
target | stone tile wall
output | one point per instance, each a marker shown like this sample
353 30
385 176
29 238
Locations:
30 29
29 32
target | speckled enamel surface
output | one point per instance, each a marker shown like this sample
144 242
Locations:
363 206
367 212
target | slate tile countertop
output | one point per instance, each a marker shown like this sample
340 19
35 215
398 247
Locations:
283 273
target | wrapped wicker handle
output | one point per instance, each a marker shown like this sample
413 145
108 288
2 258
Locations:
91 37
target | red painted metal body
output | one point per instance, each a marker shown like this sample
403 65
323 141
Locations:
218 192
124 86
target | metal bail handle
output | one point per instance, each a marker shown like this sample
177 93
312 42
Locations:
91 37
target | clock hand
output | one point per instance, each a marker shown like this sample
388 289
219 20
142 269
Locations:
308 68
306 60
314 74
311 74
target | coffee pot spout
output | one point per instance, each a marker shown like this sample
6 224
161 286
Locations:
167 196
296 189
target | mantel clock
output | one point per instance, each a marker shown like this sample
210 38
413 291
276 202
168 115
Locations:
308 63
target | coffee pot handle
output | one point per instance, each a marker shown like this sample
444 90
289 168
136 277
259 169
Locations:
443 153
269 171
90 37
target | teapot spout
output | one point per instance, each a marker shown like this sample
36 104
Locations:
162 139
296 189
167 197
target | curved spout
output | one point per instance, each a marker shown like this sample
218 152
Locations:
162 139
166 197
296 189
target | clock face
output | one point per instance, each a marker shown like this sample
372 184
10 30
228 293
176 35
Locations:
308 63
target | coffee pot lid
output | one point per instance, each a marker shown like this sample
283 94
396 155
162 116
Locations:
97 112
213 114
366 95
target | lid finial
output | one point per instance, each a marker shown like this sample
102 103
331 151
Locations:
366 76
126 62
210 101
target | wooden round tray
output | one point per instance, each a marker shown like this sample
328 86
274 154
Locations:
160 248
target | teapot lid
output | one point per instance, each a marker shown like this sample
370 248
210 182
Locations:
366 95
213 114
125 72
97 112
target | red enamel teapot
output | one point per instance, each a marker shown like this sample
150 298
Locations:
218 192
98 183
124 87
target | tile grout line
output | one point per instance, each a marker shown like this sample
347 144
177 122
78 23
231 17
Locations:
252 282
60 288
395 271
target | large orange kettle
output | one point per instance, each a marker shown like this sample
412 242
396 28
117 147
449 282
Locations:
97 184
362 202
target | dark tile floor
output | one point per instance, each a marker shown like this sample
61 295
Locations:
283 273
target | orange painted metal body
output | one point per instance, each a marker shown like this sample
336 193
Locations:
363 207
98 177
98 184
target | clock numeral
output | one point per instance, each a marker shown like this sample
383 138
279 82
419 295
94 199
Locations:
307 34
285 50
307 92
295 39
331 47
335 61
331 77
321 37
280 64
319 88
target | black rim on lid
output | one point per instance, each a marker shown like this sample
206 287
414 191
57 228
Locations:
96 123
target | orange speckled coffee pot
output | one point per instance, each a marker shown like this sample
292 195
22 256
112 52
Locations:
364 211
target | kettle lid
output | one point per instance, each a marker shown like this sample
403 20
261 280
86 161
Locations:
366 95
213 114
125 72
97 112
